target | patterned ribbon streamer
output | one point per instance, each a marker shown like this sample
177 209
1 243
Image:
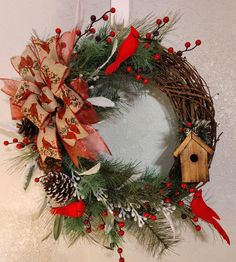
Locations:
55 108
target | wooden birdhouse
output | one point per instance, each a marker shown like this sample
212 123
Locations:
193 153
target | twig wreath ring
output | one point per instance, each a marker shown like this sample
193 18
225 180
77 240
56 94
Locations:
73 80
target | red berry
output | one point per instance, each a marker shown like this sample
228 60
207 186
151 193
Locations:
109 40
153 217
121 224
58 30
146 214
168 184
187 44
191 190
166 19
105 213
146 45
34 147
119 250
63 45
105 17
145 81
78 32
26 141
167 200
198 42
115 213
121 233
156 57
138 77
5 143
36 180
113 10
183 186
189 124
195 219
121 259
159 21
88 230
86 221
14 140
198 228
148 35
101 227
92 30
112 33
19 146
181 203
170 50
129 69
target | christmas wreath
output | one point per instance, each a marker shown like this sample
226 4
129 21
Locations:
74 79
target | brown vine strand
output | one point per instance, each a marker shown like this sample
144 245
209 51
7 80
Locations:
189 95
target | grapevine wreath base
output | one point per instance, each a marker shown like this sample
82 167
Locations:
75 79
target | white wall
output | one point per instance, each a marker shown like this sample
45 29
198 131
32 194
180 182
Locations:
213 21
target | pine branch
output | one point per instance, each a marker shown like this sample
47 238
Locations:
157 236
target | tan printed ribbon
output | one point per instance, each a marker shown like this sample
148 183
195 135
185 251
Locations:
45 99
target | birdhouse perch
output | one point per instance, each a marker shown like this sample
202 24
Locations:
193 153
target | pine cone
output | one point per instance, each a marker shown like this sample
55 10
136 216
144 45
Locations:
58 186
27 128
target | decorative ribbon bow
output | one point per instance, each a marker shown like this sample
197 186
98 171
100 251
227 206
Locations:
43 97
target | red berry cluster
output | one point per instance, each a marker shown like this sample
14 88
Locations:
88 228
197 227
109 39
164 21
153 217
185 187
91 29
186 125
149 37
121 232
138 76
19 145
120 251
188 45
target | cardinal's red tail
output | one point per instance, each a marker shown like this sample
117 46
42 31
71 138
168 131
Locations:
112 68
56 211
219 228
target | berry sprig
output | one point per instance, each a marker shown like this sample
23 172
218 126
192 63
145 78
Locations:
94 19
107 38
120 251
153 217
198 42
150 37
137 74
88 227
19 144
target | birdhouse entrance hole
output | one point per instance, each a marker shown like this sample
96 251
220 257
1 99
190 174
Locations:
194 158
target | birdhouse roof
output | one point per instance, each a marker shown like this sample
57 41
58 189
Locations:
192 137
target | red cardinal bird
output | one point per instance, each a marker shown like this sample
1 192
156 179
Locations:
46 144
70 135
126 50
72 127
45 99
200 209
75 209
34 112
